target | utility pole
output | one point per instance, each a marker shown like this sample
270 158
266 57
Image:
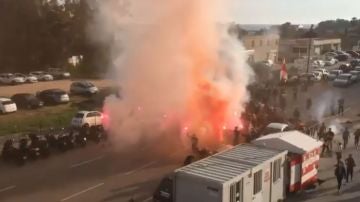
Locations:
310 34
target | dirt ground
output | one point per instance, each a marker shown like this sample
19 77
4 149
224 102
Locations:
8 91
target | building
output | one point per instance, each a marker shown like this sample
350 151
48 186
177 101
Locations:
303 153
292 49
242 174
262 46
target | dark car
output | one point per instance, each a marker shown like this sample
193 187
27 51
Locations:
355 62
342 57
164 192
345 68
27 101
353 54
53 96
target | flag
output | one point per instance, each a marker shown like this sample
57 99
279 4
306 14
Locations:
283 72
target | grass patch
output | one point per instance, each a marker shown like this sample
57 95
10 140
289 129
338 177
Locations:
47 117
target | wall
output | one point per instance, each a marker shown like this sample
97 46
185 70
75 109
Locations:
194 189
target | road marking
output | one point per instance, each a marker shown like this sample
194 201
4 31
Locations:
7 188
140 168
86 162
82 192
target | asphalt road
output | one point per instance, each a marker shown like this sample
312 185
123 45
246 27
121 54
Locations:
96 173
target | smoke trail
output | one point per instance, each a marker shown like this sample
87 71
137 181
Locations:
176 65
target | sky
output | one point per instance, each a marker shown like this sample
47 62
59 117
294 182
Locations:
294 11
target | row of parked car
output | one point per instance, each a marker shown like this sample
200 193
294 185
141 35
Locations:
41 145
33 77
46 97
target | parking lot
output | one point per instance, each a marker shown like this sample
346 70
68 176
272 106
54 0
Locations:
49 116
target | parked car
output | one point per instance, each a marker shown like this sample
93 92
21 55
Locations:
355 75
275 128
11 79
355 62
58 73
325 73
330 61
353 54
342 57
42 76
334 73
345 67
357 69
27 101
318 63
83 88
87 119
343 80
330 55
309 77
28 78
53 96
7 106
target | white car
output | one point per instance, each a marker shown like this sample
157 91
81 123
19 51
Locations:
83 87
275 128
28 78
325 73
11 79
334 74
7 106
42 76
318 63
330 61
87 119
343 80
317 75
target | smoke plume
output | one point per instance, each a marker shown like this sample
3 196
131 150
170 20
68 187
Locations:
178 68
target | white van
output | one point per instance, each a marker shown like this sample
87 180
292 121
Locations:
7 106
87 119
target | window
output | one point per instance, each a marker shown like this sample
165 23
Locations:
299 50
237 192
277 170
257 182
261 43
252 43
91 114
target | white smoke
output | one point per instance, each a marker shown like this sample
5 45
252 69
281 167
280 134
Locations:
162 52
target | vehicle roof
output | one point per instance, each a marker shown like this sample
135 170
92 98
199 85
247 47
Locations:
277 125
54 90
23 94
86 112
229 164
293 141
347 74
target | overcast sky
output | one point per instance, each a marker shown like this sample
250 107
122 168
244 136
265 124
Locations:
295 11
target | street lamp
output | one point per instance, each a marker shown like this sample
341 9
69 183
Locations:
310 35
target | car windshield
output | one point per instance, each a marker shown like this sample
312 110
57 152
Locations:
79 115
270 130
87 84
9 102
344 77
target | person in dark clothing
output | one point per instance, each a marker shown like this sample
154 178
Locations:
321 131
296 114
340 173
357 137
236 136
194 143
350 164
329 137
308 103
341 103
345 137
